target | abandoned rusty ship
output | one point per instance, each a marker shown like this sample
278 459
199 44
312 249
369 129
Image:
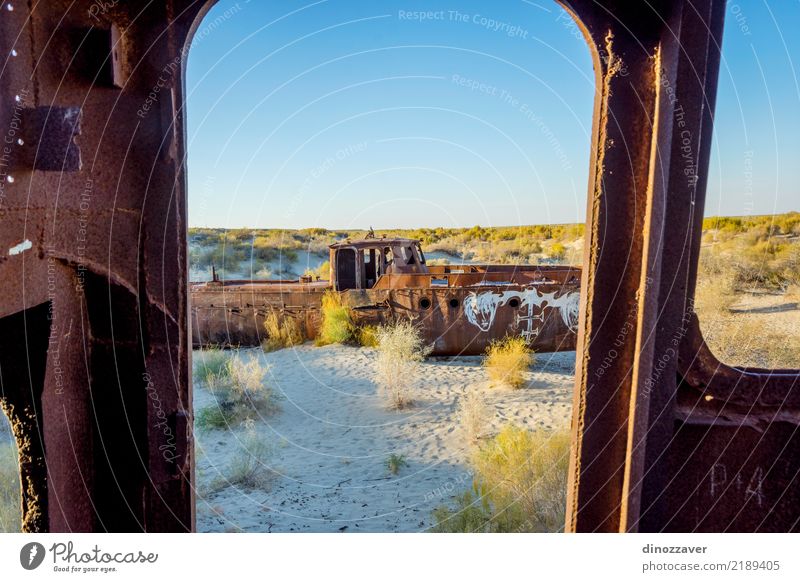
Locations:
460 309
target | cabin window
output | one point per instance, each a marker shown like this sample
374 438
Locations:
421 254
408 255
369 271
345 269
388 258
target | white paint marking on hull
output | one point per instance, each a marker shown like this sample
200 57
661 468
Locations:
481 308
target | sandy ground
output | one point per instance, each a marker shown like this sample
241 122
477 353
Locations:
761 330
333 435
778 312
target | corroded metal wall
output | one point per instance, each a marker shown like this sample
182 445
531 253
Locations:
666 437
94 339
94 301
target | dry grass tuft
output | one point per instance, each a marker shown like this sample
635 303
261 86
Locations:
337 325
473 415
242 396
210 366
249 467
507 360
367 336
746 340
282 332
519 485
395 462
400 352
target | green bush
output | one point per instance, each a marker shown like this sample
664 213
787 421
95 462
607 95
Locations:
242 395
210 365
337 325
367 336
395 462
248 467
282 332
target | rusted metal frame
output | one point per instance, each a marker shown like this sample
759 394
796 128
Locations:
713 394
159 500
626 40
655 322
690 87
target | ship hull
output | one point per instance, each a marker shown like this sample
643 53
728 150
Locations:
457 313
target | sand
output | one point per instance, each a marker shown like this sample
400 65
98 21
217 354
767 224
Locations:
333 435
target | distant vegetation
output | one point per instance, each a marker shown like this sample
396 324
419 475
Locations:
748 289
262 252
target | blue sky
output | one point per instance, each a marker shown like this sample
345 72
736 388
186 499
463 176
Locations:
344 114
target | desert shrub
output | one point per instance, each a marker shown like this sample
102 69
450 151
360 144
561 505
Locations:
471 514
395 462
716 286
323 271
337 325
557 251
282 332
400 351
248 467
792 293
507 360
367 336
10 501
746 340
473 415
210 366
519 485
241 395
532 248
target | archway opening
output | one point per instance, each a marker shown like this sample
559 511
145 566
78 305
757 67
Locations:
434 164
